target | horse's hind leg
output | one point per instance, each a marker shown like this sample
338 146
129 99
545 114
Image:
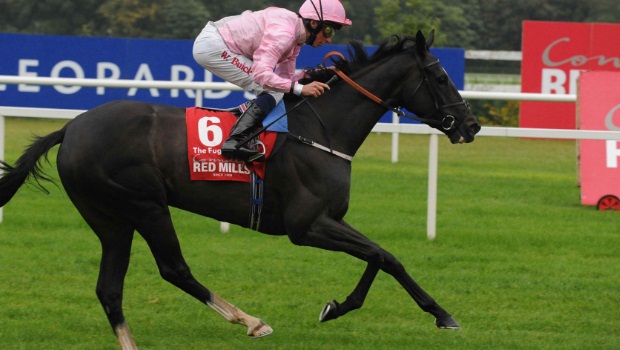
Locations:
114 263
115 238
157 229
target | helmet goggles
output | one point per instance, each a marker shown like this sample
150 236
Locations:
328 31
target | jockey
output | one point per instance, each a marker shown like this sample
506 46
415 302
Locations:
257 52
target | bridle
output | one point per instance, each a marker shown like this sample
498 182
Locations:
447 123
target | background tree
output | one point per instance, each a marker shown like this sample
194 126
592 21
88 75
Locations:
181 20
472 24
49 16
408 16
500 21
131 18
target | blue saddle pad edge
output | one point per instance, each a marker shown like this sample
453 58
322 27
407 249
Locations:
282 124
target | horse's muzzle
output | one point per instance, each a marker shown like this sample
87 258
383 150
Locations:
466 132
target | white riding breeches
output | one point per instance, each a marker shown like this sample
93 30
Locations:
212 54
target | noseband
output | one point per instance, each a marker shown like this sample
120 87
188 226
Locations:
448 121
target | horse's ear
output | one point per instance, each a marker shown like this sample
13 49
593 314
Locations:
430 39
420 42
424 43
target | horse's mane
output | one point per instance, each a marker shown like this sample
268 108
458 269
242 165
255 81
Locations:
359 57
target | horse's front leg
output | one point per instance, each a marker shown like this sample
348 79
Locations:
442 318
355 300
326 233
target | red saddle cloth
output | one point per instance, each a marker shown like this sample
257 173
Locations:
206 131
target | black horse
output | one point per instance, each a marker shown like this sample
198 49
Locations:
124 163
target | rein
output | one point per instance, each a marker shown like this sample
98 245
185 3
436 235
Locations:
447 123
301 138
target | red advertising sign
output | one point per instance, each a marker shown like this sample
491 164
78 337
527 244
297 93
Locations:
599 109
554 55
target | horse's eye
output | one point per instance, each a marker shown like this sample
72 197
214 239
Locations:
442 79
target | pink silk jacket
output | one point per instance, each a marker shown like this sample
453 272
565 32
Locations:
272 38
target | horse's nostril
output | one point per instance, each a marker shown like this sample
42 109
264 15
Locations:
475 128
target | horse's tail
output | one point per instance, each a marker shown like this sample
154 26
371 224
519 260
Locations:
29 164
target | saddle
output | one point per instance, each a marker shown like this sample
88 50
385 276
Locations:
208 128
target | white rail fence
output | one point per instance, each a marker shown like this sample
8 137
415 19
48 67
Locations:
395 128
493 81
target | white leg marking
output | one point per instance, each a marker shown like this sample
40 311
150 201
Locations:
125 338
256 327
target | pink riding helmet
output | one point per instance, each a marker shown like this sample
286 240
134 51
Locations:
332 11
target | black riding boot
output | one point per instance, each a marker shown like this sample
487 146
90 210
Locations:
246 123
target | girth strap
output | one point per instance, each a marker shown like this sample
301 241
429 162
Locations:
256 204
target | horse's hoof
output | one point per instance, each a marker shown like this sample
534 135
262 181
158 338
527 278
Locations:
329 312
447 322
261 330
